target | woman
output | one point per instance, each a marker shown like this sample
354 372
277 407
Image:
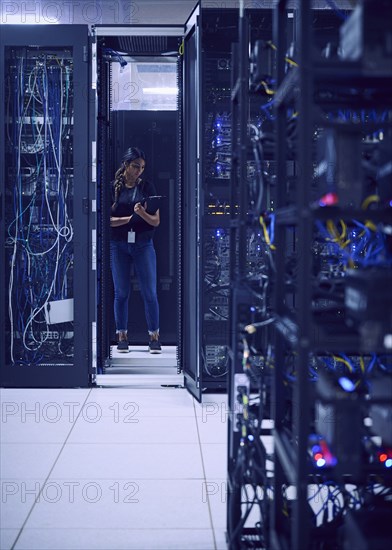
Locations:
132 230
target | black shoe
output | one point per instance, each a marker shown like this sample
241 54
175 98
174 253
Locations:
154 346
122 346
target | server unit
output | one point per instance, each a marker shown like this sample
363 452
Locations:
206 242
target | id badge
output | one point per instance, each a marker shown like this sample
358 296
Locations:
131 237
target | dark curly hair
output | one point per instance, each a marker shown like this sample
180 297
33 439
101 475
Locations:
130 154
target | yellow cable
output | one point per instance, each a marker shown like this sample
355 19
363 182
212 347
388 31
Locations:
290 61
369 200
371 225
267 90
362 364
181 48
333 231
338 238
344 229
344 361
266 236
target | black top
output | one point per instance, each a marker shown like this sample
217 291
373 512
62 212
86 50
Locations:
124 207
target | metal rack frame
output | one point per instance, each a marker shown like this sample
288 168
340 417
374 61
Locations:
291 454
78 372
289 525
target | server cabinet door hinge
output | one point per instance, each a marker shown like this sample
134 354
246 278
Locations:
85 54
85 205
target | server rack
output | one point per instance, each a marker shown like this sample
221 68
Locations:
103 175
315 447
239 296
208 60
330 354
44 208
130 42
207 165
251 276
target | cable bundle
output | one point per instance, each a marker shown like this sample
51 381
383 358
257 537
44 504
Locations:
39 215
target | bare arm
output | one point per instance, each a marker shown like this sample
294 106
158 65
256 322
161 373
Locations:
116 222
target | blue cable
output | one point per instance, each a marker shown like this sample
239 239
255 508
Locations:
371 364
272 228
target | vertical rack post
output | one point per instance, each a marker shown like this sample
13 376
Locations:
301 417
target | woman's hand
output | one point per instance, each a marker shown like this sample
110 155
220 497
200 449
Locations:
152 219
139 208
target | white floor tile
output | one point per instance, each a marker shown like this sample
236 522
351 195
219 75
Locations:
215 461
129 462
27 460
43 395
17 499
217 491
116 539
7 538
35 432
138 442
135 428
163 504
115 402
39 417
212 430
212 405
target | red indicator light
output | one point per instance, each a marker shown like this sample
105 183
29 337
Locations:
317 456
382 457
329 199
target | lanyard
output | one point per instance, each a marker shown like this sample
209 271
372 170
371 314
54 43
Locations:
133 196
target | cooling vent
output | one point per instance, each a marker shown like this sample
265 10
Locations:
143 44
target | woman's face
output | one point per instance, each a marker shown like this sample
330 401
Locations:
134 169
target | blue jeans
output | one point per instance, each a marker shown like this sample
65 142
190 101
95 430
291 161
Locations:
142 254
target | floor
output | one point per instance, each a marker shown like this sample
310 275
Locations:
135 463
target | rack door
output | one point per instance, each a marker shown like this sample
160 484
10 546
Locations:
191 345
